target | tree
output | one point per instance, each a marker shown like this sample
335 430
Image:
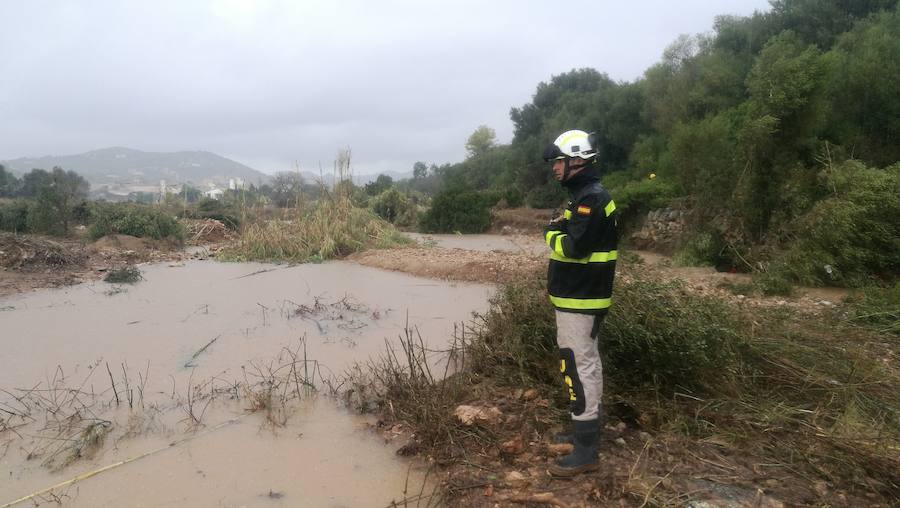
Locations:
420 170
381 184
8 183
56 200
480 141
32 183
286 188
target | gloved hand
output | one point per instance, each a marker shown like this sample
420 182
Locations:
557 224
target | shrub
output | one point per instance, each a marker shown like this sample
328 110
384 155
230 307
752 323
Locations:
135 220
639 196
701 249
658 334
127 275
852 236
550 195
14 216
330 228
396 208
457 210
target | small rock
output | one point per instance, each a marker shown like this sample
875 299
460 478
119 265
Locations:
620 427
821 488
512 447
489 491
741 297
619 441
560 449
644 436
530 394
514 476
471 415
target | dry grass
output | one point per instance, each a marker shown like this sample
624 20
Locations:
329 228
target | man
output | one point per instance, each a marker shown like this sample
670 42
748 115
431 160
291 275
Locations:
579 281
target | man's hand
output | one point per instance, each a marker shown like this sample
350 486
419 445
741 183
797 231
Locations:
558 224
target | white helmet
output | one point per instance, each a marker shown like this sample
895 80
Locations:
570 144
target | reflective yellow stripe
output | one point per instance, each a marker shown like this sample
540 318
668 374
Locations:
597 257
558 250
567 214
581 303
563 141
610 208
562 365
548 237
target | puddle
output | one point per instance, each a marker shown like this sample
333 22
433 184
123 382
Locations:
215 321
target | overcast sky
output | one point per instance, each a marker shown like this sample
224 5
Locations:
270 82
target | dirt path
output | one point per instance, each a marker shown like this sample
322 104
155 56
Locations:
499 259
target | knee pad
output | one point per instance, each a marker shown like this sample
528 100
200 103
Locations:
573 383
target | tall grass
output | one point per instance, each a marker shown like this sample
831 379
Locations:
816 397
330 228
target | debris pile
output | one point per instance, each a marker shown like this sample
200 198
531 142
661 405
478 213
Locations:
34 253
205 231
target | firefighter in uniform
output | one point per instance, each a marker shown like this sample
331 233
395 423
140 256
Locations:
582 246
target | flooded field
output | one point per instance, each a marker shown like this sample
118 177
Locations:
184 334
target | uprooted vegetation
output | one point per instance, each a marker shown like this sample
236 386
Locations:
804 410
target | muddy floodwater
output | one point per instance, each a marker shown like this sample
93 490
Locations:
186 332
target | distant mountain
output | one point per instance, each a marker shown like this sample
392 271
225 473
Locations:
126 166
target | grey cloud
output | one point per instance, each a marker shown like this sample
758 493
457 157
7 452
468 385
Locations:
277 81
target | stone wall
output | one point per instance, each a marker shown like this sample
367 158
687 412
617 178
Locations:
661 230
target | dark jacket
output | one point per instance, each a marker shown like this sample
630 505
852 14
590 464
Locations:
583 248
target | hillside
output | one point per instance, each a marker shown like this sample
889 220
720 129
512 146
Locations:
129 166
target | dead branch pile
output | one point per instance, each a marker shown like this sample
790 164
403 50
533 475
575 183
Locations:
19 252
205 231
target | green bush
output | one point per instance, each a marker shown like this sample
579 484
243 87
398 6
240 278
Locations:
851 236
396 208
457 210
134 220
700 249
656 334
550 195
638 196
14 216
659 334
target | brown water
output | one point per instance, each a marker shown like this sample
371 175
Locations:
247 314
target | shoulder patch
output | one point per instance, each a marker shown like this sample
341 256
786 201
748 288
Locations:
583 210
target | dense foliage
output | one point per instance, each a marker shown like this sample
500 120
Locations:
134 220
48 200
737 126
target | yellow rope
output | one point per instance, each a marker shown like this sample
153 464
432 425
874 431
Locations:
85 476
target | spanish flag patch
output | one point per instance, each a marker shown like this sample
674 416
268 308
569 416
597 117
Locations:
583 210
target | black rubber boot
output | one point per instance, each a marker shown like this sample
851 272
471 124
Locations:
567 435
584 455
